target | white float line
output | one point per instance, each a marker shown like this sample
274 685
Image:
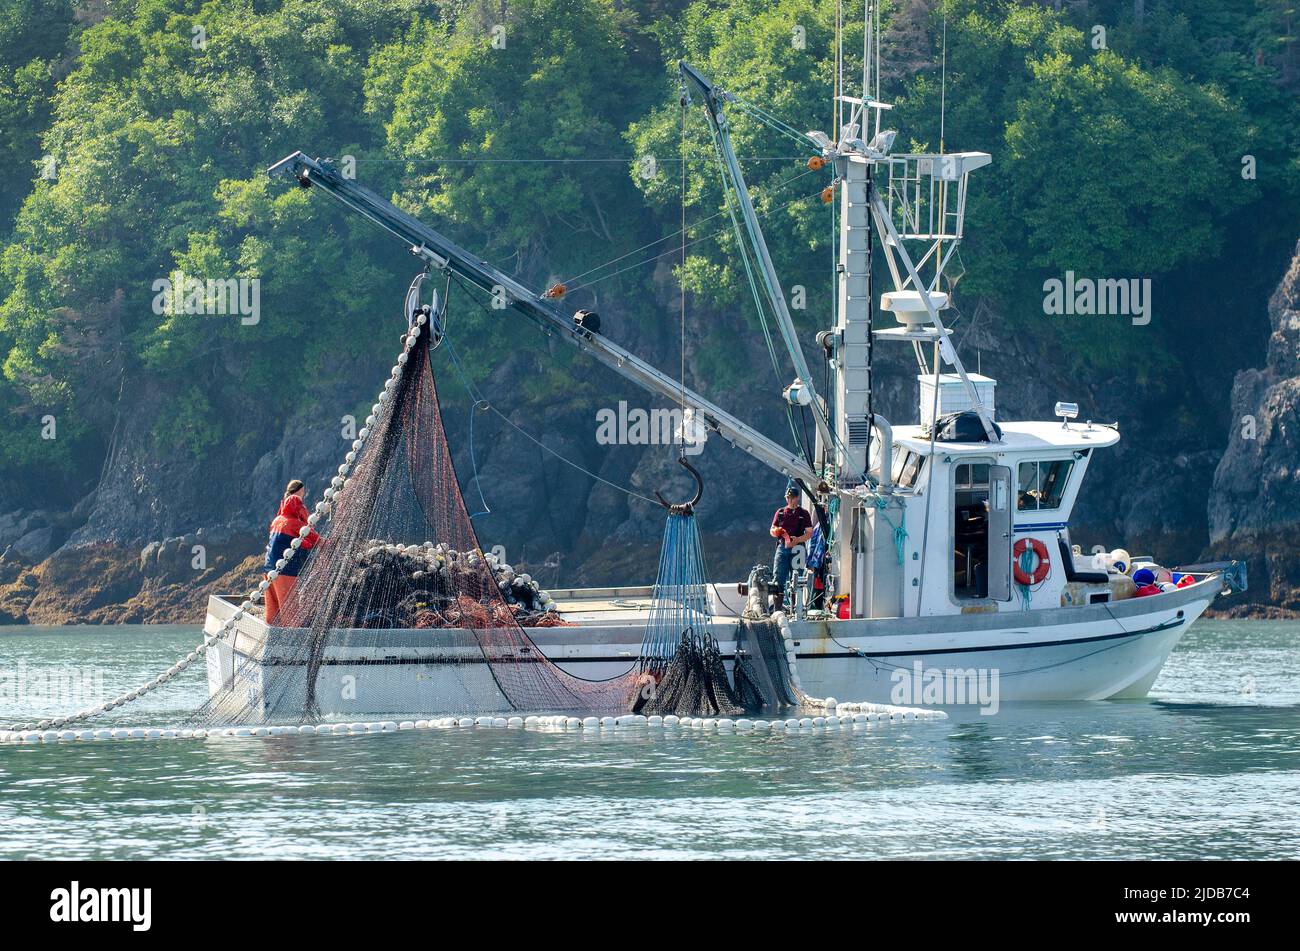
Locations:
544 723
323 510
852 708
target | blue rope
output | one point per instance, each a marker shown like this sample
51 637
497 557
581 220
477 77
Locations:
900 530
680 602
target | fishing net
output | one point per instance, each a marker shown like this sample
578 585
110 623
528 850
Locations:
762 675
397 609
683 672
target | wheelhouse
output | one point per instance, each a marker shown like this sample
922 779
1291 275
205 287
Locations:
971 511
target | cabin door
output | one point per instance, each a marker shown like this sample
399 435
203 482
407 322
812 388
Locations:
1000 515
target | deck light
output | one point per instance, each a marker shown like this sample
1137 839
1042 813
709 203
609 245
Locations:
1067 412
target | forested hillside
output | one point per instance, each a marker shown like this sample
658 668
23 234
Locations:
1143 139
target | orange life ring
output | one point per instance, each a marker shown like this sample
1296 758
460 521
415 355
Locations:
1044 564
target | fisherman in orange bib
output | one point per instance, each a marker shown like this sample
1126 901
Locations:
287 525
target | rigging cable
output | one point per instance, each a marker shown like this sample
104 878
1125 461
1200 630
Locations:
571 284
745 251
481 402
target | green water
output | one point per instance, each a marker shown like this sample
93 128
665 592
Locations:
1209 767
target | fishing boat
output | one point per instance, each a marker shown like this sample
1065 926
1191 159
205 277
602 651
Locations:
950 575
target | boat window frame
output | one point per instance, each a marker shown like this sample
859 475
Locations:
1061 485
903 458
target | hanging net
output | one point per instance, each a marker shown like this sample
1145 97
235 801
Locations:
682 667
396 607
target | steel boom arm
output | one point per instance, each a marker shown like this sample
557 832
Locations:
443 254
714 101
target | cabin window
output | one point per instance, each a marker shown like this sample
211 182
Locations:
972 476
907 465
1042 484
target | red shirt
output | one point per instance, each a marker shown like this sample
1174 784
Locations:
795 520
292 519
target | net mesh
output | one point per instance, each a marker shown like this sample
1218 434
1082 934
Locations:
683 672
762 675
396 608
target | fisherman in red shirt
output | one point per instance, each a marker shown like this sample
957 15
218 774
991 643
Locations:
287 525
791 527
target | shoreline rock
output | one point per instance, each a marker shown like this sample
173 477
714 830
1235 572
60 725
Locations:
1254 504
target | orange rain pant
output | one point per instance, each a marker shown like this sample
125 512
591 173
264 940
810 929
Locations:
277 594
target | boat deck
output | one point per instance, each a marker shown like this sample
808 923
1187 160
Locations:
630 605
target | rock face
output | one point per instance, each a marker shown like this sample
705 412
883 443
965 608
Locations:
151 491
1254 506
104 583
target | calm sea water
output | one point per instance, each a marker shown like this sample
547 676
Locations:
1209 767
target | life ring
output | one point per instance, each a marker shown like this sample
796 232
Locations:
1044 564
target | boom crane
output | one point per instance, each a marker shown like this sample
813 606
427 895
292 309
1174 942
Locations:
714 101
439 252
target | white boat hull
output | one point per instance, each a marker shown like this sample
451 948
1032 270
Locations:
1096 652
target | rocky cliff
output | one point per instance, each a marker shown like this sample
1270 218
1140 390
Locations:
1254 505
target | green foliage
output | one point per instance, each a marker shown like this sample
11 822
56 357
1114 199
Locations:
160 134
190 422
493 120
160 116
33 37
1116 169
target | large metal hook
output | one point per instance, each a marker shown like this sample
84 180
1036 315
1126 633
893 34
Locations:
685 508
